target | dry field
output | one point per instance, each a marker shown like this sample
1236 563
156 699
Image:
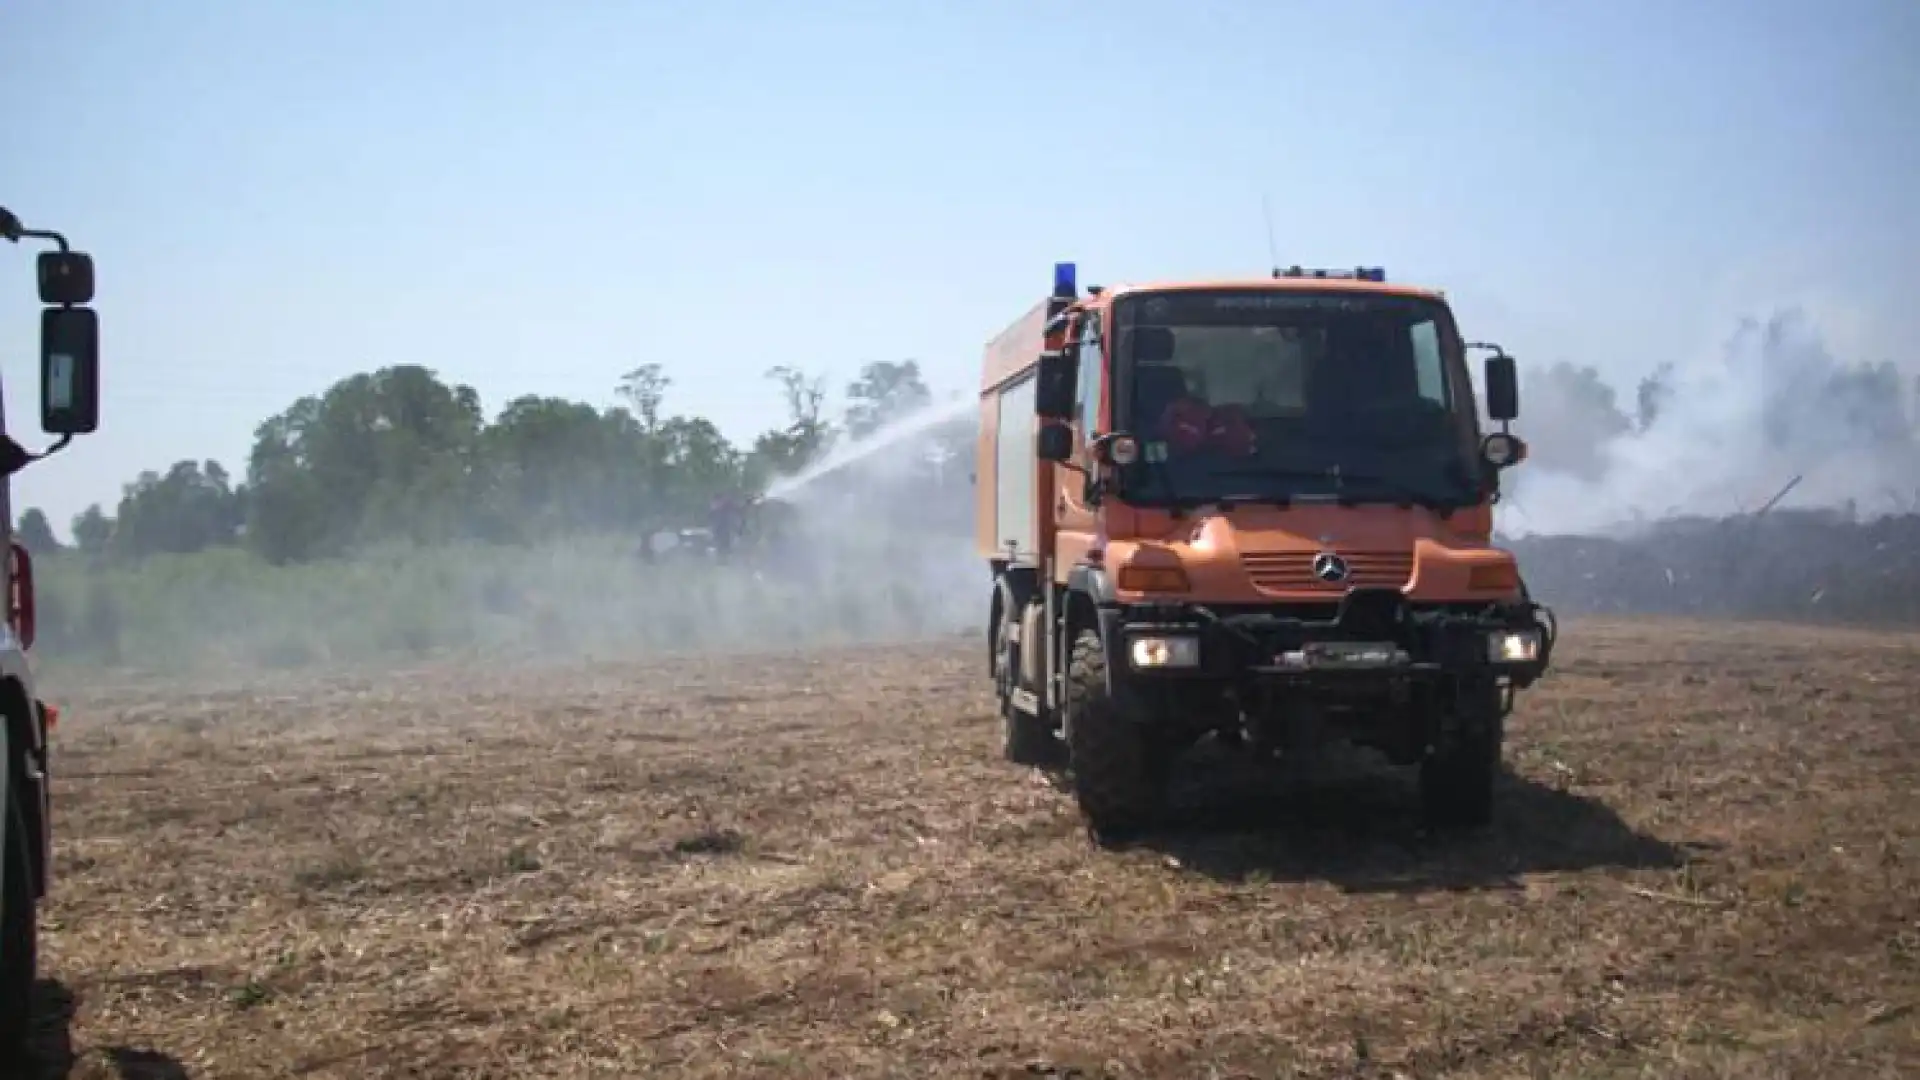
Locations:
815 865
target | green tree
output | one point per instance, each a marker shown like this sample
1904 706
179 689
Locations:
696 463
553 465
35 532
191 508
644 389
92 530
381 455
884 392
787 450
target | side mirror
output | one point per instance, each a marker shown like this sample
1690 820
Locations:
1053 442
66 277
1054 386
1503 388
69 371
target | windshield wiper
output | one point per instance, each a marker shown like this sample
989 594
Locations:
1279 499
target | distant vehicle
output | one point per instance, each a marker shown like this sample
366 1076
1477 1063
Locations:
1259 510
69 406
694 541
749 527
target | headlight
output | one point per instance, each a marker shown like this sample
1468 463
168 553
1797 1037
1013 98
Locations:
1500 449
1514 647
1177 651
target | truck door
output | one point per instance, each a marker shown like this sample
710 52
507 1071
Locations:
1077 523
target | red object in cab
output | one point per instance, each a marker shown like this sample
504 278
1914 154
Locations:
1230 432
1184 425
1190 425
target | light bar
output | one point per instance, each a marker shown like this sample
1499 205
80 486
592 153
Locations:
1359 273
1064 280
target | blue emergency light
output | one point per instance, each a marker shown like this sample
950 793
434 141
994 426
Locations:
1378 273
1064 283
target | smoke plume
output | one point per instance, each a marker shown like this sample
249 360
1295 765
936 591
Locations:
1716 435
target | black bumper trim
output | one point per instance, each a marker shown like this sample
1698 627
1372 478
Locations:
1440 640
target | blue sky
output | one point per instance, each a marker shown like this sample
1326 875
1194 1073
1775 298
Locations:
532 199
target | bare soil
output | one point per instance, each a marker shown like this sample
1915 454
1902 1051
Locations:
1707 864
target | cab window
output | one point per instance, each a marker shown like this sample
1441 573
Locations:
1429 366
1088 382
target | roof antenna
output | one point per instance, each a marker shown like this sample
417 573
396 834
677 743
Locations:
1273 246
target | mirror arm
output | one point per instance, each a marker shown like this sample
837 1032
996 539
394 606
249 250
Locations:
14 457
41 234
1098 486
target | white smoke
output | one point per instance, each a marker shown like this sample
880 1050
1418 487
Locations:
889 517
890 451
1731 429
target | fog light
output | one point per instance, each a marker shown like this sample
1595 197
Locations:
1514 647
1165 652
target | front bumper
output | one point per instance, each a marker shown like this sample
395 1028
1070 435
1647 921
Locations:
1370 634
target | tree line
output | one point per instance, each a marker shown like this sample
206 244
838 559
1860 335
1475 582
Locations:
400 454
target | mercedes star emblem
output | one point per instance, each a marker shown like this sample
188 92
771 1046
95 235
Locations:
1329 567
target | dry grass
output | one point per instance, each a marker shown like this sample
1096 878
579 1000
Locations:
810 866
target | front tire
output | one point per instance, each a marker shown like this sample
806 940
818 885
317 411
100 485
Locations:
1118 779
1457 779
19 927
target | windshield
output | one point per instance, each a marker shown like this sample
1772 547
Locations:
1273 395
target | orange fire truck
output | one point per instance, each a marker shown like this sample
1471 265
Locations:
1257 510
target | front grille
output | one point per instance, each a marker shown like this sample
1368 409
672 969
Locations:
1292 571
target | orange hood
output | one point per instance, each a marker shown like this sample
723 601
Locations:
1263 554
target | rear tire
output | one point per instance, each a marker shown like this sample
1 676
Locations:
1025 739
19 928
1118 779
1457 781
